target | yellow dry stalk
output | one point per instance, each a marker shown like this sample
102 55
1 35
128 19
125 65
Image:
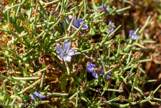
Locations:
3 40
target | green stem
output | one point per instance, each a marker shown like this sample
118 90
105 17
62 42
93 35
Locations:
25 78
67 67
32 85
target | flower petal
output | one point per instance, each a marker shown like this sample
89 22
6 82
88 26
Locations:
75 22
71 52
112 29
95 75
107 76
42 96
67 58
39 95
61 55
66 19
107 10
132 35
135 37
84 27
105 6
32 97
101 7
80 21
59 49
90 67
36 93
66 46
111 23
75 19
131 32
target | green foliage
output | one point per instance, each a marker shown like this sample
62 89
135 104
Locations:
32 31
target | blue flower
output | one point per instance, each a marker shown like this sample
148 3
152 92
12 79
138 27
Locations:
91 69
38 95
112 24
104 8
107 76
32 97
77 23
66 19
66 52
94 74
133 35
111 29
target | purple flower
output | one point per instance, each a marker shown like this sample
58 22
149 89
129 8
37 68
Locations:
38 95
32 97
90 67
107 76
77 23
111 29
95 73
104 8
66 19
66 52
111 23
101 73
132 35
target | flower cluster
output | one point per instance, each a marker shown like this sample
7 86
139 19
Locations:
104 8
66 52
111 25
133 35
38 95
91 69
78 23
